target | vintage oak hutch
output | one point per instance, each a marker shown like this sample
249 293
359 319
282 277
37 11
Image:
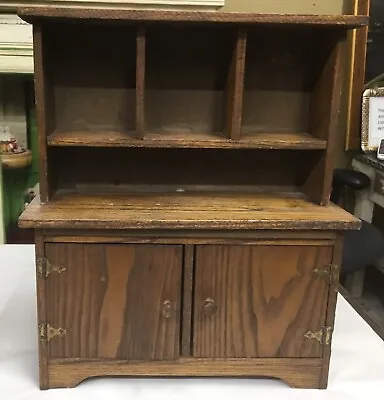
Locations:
184 226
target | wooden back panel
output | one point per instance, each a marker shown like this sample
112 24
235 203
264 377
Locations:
93 71
283 65
119 166
186 75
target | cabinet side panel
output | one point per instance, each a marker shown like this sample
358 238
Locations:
259 301
331 308
44 110
324 118
41 310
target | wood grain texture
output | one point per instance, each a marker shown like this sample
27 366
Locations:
280 72
325 108
179 239
186 77
187 305
298 373
41 311
186 211
93 93
263 300
331 309
357 40
140 83
44 111
235 87
265 140
186 236
181 168
111 301
30 14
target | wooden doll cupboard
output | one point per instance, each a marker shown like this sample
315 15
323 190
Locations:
184 226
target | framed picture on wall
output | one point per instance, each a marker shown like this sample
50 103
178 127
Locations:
372 128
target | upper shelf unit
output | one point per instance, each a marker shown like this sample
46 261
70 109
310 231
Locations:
238 81
133 98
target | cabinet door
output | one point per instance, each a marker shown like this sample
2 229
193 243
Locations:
114 301
259 301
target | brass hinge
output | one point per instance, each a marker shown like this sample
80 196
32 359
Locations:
323 336
48 332
46 268
330 274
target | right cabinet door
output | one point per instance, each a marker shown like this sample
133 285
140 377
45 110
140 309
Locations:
259 300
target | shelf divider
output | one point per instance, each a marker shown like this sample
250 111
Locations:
323 123
235 87
140 82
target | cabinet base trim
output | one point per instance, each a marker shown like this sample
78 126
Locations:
298 373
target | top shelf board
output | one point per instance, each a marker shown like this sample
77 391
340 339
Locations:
31 14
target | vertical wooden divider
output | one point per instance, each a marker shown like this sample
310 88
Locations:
140 82
44 112
187 302
323 123
235 87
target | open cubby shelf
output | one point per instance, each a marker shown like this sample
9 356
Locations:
120 97
170 85
120 167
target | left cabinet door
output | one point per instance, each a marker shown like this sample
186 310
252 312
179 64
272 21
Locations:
114 301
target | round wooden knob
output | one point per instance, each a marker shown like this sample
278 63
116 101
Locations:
167 309
210 307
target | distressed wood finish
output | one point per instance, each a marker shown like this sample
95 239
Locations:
235 86
186 236
259 301
183 227
268 140
44 111
186 211
41 290
188 278
140 94
115 301
299 373
325 107
330 321
30 14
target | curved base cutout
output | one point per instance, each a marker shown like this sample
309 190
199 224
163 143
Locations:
297 373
